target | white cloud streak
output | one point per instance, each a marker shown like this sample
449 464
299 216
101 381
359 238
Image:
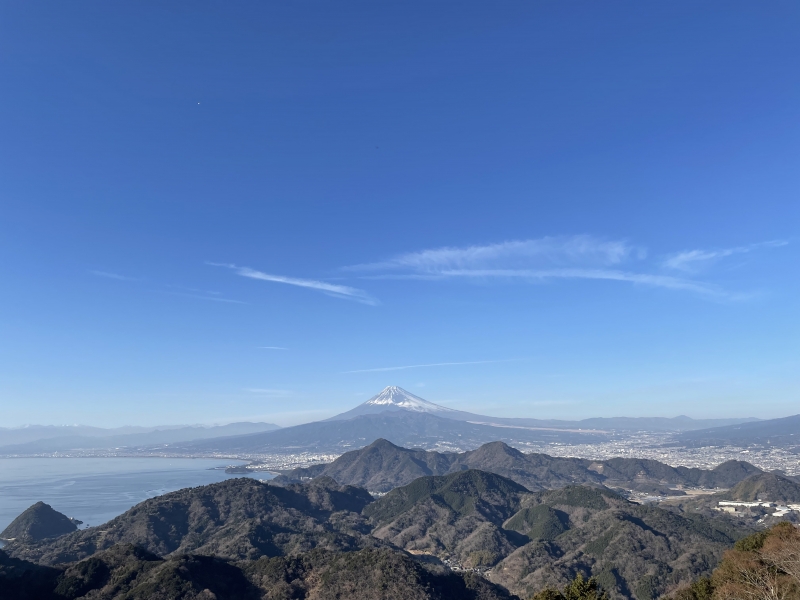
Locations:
444 364
536 260
188 293
110 275
212 298
330 289
581 250
664 281
691 260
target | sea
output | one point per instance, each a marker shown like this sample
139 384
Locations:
94 490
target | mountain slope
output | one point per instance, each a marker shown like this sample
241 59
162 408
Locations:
125 572
235 519
38 522
405 428
457 517
393 398
382 466
529 541
764 486
323 540
378 467
622 471
633 550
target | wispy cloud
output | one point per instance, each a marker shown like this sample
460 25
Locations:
663 281
548 251
268 392
537 260
330 289
110 275
202 297
443 364
272 348
691 260
173 290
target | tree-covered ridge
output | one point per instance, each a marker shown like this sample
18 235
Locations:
530 541
764 486
524 541
463 492
631 550
38 522
236 519
763 566
457 517
126 572
383 466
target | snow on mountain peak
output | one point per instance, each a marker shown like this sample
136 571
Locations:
397 397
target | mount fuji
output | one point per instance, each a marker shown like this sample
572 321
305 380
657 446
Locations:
393 398
399 416
407 420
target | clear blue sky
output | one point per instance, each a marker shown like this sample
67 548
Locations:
214 211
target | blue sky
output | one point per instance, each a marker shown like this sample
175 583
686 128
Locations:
253 210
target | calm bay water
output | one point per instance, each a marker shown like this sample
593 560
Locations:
95 490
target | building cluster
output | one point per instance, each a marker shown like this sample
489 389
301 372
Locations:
780 509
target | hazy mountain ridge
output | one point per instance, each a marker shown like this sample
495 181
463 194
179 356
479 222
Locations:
772 432
393 398
662 424
394 413
31 433
100 439
406 428
408 420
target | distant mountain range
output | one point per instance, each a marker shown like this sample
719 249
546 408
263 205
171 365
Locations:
407 428
394 414
394 399
781 432
408 420
37 439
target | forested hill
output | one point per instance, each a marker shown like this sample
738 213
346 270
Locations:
235 519
528 542
38 522
125 572
241 538
764 486
382 466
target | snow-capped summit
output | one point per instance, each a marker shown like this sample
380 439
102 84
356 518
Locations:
393 398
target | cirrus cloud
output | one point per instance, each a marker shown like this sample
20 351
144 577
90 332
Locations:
331 289
549 258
